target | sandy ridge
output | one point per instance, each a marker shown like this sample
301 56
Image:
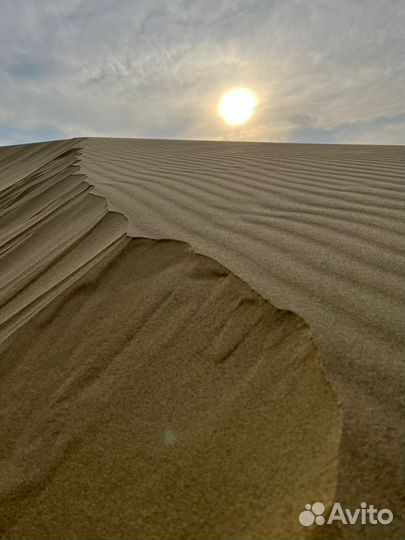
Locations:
45 218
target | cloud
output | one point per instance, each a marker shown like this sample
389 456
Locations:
387 130
323 70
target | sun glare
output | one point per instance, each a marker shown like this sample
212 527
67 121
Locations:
237 106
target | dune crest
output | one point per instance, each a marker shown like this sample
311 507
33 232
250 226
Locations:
52 229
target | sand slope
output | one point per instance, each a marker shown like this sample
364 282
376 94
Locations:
138 363
171 401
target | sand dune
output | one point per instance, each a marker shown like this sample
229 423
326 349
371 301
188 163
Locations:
150 392
316 229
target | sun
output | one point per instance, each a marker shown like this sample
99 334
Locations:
237 105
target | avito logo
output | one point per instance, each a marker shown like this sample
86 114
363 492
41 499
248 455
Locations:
366 514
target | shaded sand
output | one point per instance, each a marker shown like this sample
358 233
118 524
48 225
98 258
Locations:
147 391
160 397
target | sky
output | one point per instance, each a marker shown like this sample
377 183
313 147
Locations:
325 71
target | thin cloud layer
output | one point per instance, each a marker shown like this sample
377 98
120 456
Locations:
324 71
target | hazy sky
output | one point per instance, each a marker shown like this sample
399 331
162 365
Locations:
323 70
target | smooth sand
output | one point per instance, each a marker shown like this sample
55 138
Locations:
147 391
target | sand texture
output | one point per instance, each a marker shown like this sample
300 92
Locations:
238 357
